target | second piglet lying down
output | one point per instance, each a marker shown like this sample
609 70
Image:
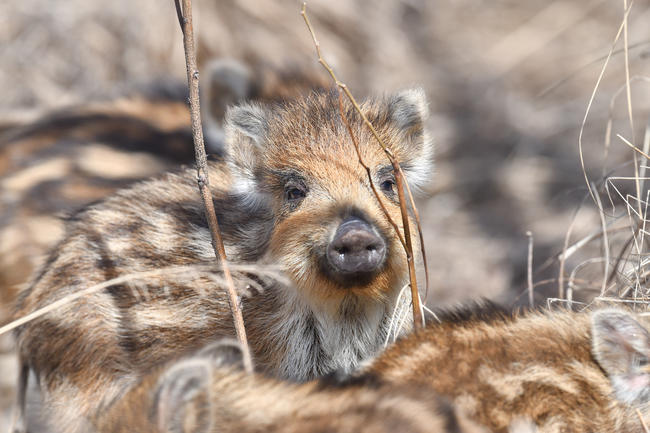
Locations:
537 372
209 393
292 193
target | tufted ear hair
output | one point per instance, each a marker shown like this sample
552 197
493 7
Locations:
408 112
621 345
224 353
182 400
227 82
246 130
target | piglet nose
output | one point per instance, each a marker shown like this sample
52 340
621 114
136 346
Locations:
356 249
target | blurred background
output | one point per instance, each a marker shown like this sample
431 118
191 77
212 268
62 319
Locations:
509 83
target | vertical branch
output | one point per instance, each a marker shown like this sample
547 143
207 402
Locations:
185 19
368 172
400 180
529 271
418 224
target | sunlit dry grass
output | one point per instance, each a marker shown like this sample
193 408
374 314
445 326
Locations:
532 104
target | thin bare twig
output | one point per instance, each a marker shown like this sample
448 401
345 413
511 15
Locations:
400 181
185 18
365 166
416 214
378 196
531 293
645 426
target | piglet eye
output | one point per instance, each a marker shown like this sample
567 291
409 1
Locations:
293 194
388 185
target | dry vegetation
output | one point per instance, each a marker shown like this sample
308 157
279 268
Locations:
509 84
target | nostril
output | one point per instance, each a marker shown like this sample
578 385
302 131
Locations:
356 249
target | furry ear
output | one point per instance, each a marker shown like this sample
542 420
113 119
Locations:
408 111
621 345
224 353
246 129
227 83
182 401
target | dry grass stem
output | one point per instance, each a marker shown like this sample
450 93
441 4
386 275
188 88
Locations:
646 150
571 250
531 293
620 258
418 223
610 117
565 254
178 271
629 98
645 426
398 314
636 149
601 213
620 301
573 280
184 14
399 177
591 101
368 172
551 301
571 75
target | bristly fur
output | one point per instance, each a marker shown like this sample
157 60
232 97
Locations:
479 311
563 371
203 395
535 372
65 160
90 352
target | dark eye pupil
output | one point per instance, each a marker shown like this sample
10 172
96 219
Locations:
295 194
387 185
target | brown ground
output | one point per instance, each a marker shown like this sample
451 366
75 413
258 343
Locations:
508 81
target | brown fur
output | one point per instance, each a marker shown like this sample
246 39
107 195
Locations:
89 352
53 166
65 160
543 372
544 367
199 395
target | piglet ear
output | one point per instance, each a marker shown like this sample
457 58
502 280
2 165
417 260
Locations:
182 399
621 345
408 111
246 132
227 82
224 353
